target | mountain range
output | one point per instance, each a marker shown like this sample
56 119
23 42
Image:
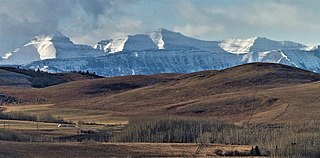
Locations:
162 51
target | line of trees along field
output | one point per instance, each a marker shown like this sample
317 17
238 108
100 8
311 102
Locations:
286 140
25 117
281 140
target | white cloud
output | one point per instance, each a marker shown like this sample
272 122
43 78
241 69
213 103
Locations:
198 31
291 20
21 20
109 29
88 21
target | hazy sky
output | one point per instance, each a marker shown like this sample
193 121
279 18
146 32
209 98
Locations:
88 21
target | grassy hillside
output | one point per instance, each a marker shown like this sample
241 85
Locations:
10 76
75 92
272 106
245 94
251 93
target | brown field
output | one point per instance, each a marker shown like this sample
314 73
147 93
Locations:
27 125
247 94
73 115
91 149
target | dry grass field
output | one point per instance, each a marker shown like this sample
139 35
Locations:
263 101
27 125
68 114
18 149
252 93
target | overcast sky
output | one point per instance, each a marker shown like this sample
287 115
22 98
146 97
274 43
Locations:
89 21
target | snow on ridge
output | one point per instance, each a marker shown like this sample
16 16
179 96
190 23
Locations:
310 48
137 42
272 56
257 44
262 44
237 46
160 39
9 54
117 45
157 39
44 46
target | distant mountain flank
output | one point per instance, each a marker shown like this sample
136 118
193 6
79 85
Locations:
161 51
16 77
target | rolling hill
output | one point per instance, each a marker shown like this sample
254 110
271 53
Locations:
11 76
250 93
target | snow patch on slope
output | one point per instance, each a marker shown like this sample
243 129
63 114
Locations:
237 46
44 46
273 56
48 46
117 45
7 55
157 39
257 44
310 48
169 40
127 43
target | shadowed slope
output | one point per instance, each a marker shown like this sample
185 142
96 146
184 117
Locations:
10 76
228 94
85 89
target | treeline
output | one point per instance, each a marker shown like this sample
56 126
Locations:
12 135
88 73
283 140
172 130
38 79
22 116
41 79
8 99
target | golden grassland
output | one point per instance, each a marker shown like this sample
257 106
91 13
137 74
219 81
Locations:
270 105
247 94
26 125
92 149
68 114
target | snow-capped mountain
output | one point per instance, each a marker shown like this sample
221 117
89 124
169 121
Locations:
161 39
127 43
143 62
161 51
257 44
48 46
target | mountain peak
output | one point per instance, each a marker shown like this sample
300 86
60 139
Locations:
262 44
163 30
257 44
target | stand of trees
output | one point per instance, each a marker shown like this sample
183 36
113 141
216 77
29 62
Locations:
21 116
284 140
